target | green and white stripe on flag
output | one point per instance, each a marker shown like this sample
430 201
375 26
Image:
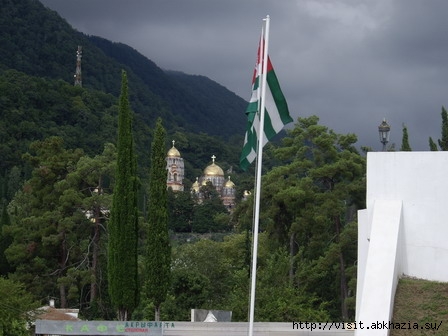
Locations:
276 114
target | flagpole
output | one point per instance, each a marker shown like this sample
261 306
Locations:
265 40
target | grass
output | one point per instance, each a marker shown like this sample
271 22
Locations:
422 304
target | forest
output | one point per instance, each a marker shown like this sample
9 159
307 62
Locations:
307 252
306 258
58 174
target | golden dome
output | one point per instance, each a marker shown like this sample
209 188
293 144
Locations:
213 169
229 184
173 152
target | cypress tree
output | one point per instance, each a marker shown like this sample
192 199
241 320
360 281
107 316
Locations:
443 143
405 147
158 258
432 145
123 225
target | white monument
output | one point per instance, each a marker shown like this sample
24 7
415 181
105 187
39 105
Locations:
403 231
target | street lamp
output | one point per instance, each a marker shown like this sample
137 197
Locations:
384 130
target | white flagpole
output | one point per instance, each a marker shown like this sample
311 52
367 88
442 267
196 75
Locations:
265 39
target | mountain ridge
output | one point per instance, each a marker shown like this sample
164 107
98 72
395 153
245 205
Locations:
37 65
39 42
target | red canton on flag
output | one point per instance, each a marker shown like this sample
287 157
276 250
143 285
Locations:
276 110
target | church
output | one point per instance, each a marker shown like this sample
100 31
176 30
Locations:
212 173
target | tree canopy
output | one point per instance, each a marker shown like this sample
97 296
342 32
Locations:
310 202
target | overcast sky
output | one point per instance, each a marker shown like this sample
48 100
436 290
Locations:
350 62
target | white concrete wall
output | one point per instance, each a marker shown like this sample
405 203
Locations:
260 329
382 266
420 181
417 181
363 240
175 328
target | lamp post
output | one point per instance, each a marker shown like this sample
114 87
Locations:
384 130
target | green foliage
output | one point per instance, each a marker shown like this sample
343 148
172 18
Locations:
279 300
186 214
31 32
189 290
92 180
443 142
180 211
205 97
16 306
47 223
405 147
302 260
307 203
123 226
55 249
432 145
5 241
210 215
214 275
215 269
158 255
33 109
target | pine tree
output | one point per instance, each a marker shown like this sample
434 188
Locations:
405 147
47 225
123 225
443 143
310 203
158 258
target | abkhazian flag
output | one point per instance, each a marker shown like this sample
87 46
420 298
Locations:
276 110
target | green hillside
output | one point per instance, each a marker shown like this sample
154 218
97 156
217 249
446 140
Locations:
33 108
199 104
38 42
38 98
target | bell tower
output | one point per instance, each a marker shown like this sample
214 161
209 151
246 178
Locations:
175 168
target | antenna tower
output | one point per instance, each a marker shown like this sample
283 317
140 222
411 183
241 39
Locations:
78 76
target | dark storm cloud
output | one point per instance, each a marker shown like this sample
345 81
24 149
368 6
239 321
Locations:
351 62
